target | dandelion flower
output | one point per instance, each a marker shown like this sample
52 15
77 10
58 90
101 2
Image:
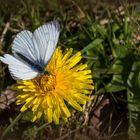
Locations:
50 95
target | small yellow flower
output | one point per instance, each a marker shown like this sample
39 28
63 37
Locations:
66 84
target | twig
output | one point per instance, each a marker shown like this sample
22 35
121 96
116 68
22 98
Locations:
115 129
67 134
7 25
110 124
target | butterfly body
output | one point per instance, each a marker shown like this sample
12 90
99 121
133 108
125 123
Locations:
32 51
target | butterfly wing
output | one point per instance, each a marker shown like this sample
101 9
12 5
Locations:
18 69
39 46
45 38
23 45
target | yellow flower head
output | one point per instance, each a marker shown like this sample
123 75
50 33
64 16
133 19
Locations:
66 84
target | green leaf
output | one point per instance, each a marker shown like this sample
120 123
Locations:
134 97
93 44
121 69
116 84
134 79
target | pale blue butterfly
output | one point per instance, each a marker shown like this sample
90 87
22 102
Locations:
32 51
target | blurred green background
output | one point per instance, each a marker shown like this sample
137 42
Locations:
108 35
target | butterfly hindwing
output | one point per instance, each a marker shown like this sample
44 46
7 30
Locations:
18 69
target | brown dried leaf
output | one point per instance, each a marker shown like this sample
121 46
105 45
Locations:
6 98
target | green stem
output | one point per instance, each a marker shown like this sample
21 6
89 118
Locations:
6 131
41 127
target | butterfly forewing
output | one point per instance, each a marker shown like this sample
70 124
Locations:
23 44
46 38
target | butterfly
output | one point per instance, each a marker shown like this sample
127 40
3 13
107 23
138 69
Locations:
32 51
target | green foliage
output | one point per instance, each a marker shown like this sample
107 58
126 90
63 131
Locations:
110 49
